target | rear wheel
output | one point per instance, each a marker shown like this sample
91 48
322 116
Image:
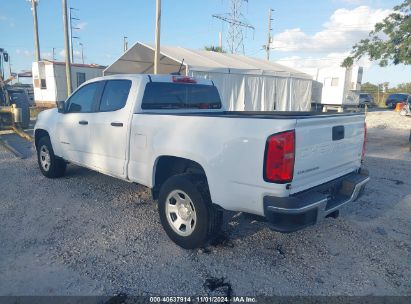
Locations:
186 212
50 165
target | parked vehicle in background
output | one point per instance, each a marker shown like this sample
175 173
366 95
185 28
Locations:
406 110
393 99
171 134
366 99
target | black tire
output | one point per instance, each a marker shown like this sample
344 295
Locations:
56 166
208 218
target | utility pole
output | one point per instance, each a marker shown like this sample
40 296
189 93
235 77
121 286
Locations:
11 81
71 18
67 47
267 47
125 44
220 41
1 63
82 52
36 30
157 37
54 52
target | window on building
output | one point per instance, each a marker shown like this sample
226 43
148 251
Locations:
334 82
115 95
43 84
36 82
81 77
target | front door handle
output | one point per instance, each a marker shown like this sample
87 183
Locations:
83 122
117 124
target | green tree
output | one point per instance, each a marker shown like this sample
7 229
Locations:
369 87
403 88
389 42
217 49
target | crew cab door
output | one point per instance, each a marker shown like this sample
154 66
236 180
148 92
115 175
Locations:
73 127
109 127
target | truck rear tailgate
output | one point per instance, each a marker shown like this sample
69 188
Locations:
326 148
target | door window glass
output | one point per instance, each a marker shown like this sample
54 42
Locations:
82 100
115 95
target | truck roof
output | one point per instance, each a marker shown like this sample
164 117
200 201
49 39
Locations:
157 78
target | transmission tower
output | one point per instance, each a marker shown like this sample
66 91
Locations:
237 23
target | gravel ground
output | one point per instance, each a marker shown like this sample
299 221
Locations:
387 119
90 234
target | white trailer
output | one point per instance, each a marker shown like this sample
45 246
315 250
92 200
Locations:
49 80
340 86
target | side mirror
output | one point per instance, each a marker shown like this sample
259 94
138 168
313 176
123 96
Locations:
61 106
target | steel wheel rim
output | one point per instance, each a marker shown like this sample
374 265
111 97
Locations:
45 160
180 212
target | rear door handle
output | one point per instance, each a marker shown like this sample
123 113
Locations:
83 122
117 124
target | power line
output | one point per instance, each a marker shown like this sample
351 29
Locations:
73 27
237 22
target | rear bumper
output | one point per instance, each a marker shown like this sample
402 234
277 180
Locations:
288 214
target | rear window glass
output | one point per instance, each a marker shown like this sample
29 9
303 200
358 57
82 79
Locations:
166 95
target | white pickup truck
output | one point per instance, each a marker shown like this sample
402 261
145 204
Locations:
171 134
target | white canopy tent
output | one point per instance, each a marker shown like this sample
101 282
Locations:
244 83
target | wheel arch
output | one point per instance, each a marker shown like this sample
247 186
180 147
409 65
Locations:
166 166
39 133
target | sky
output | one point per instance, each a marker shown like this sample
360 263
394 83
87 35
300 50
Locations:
306 33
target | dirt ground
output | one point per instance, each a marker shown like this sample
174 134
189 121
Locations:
90 234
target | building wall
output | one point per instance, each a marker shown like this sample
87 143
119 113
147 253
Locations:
49 81
340 86
60 78
43 73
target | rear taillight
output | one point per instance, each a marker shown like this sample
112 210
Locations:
279 157
364 143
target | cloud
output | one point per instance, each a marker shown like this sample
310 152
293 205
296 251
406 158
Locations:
47 55
26 53
329 60
10 21
81 26
344 28
352 1
77 54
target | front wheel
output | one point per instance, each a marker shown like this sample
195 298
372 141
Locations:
186 212
50 165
